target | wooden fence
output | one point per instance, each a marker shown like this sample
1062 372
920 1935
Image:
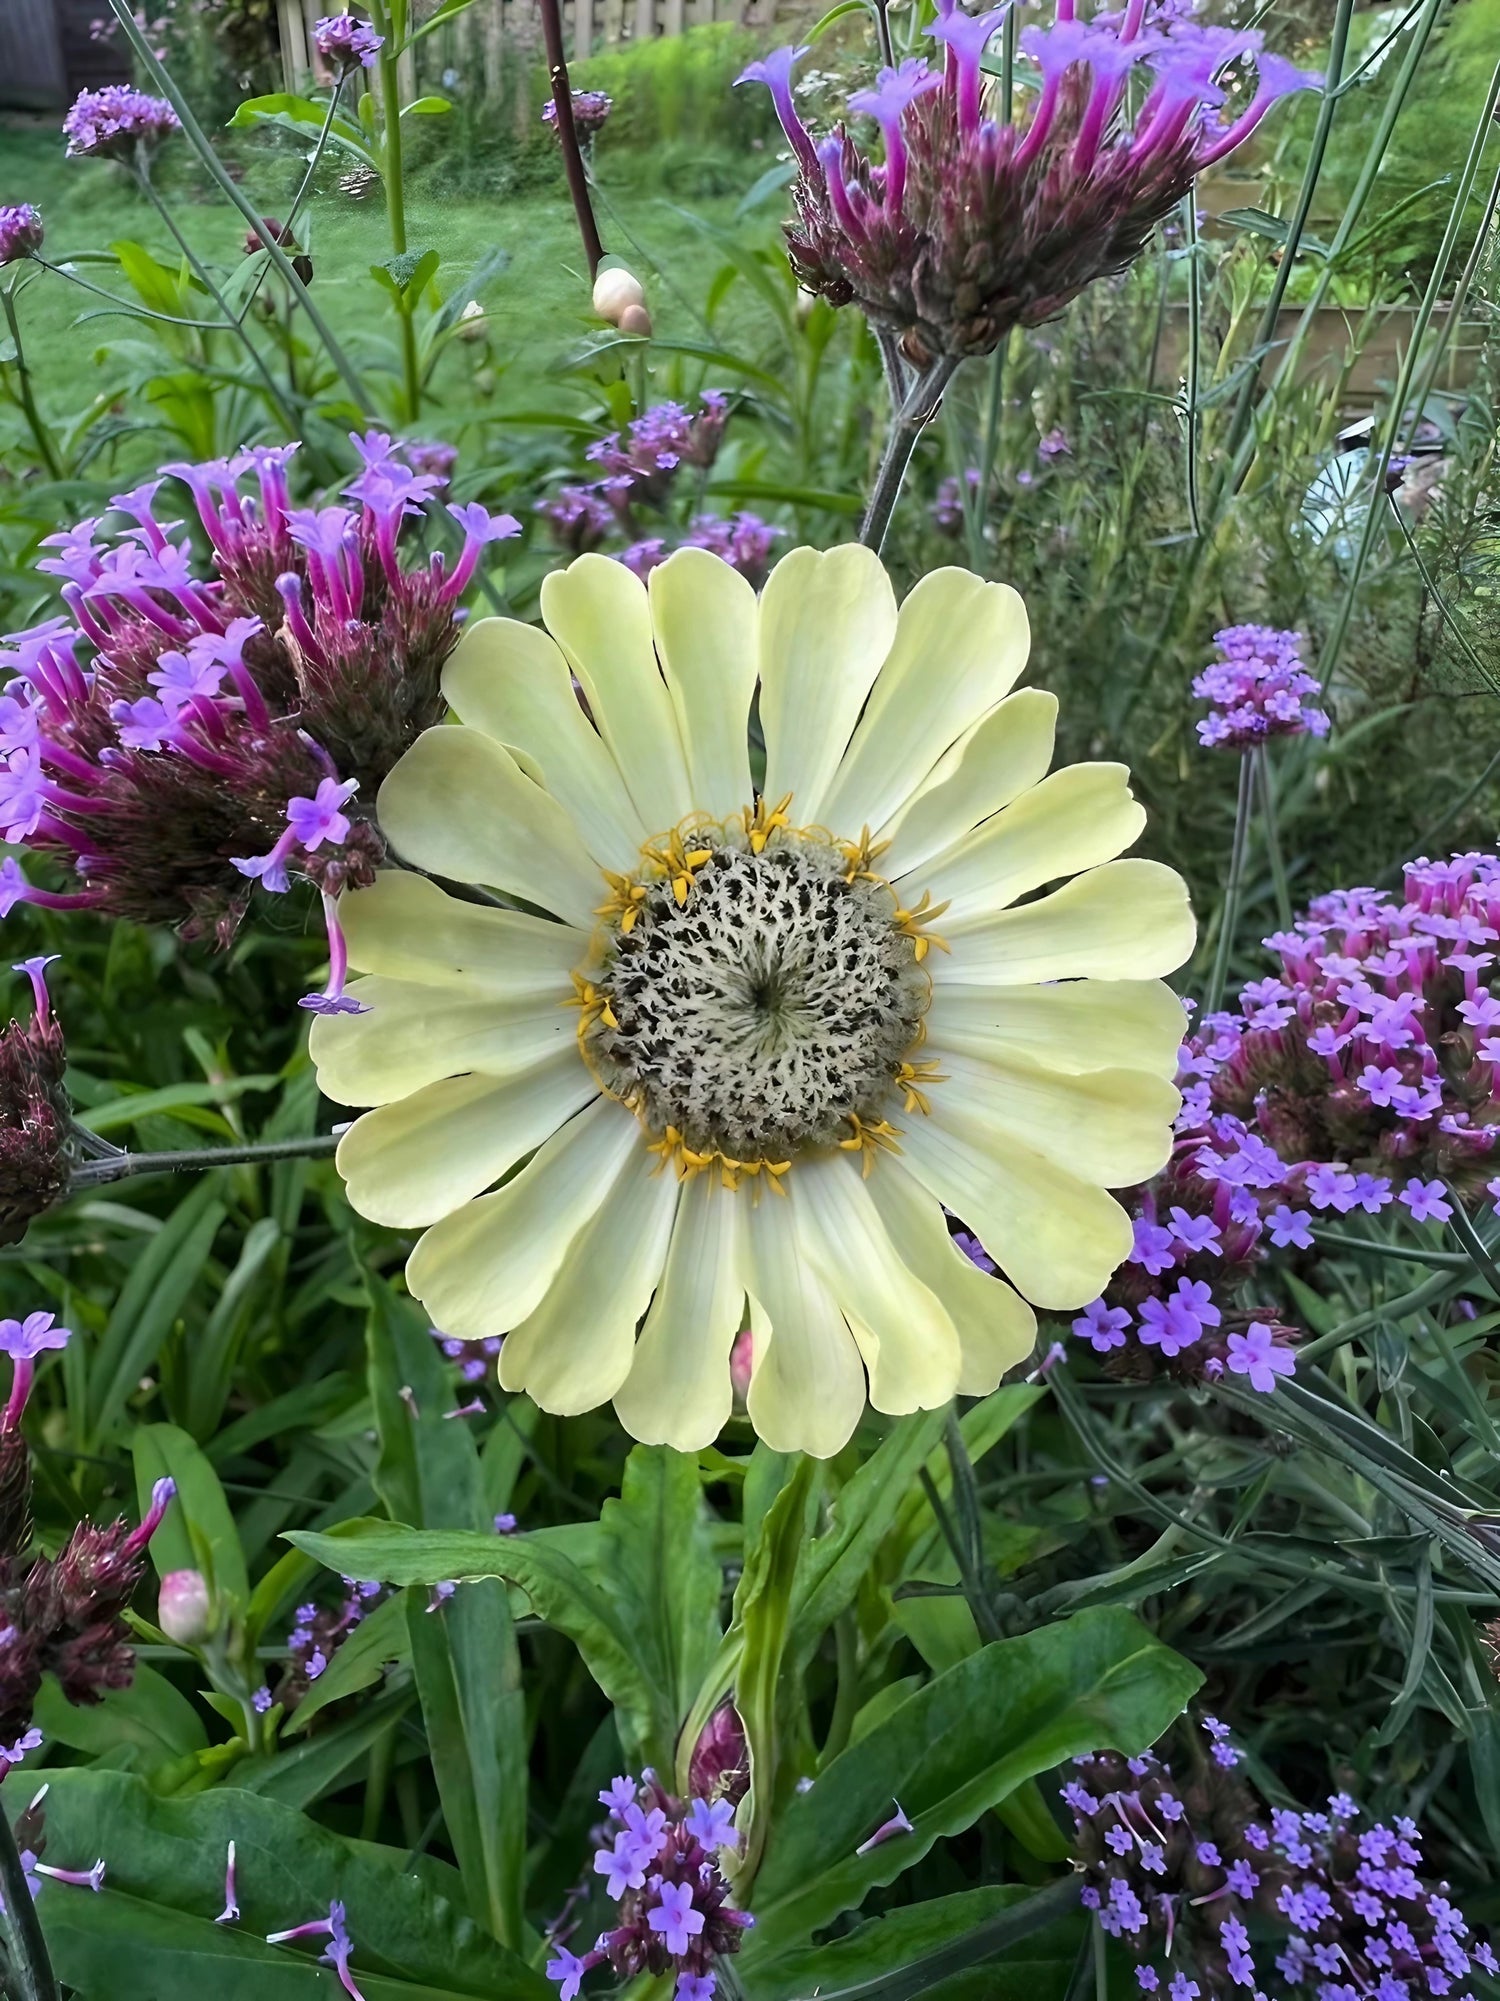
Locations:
479 41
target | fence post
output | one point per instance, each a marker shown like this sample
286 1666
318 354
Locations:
291 29
583 30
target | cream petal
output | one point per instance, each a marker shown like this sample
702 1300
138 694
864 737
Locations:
826 624
417 1161
960 646
999 759
1109 1126
807 1388
484 1268
1081 1025
459 805
414 1035
599 614
575 1350
1057 1239
406 928
996 1328
707 626
510 681
908 1341
1081 816
678 1392
1129 920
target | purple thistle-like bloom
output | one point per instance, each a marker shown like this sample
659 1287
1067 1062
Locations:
744 541
194 730
675 1918
345 42
579 517
20 231
1103 1326
591 108
947 509
970 225
1259 688
111 123
23 1341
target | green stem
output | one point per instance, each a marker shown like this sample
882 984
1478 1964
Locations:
846 1694
133 306
1194 343
976 504
392 174
257 360
24 397
1334 643
1230 910
1462 1226
301 195
30 1966
1272 832
906 428
193 132
1404 1254
122 1166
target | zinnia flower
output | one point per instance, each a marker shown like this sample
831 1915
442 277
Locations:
816 1006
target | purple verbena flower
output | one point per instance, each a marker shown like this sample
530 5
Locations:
111 123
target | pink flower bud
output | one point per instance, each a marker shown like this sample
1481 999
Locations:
741 1360
185 1611
720 1764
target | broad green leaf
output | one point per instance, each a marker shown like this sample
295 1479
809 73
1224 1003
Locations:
375 1643
763 1625
198 1531
658 1566
137 1727
426 107
150 1935
463 1652
914 1950
213 1352
560 1591
138 1105
299 1774
958 1748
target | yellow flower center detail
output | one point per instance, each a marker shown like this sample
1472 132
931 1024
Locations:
755 990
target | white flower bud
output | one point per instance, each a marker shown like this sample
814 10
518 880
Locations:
615 288
184 1611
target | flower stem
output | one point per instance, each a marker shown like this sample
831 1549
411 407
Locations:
1480 1254
1230 908
906 428
1271 829
199 271
30 1968
314 161
1194 348
24 397
392 174
121 1166
193 132
567 133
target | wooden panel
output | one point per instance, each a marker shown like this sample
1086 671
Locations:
645 20
494 48
671 17
583 30
31 59
294 27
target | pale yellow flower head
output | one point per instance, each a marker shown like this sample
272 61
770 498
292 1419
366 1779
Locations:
762 1013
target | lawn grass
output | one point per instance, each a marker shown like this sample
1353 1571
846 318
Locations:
538 308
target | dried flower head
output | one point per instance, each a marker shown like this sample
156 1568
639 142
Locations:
590 110
35 1114
978 221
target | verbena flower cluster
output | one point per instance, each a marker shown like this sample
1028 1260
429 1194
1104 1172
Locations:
194 728
639 469
975 223
1201 1228
58 1615
345 42
1213 1893
312 1643
590 110
659 1858
111 123
20 231
1259 688
1366 1063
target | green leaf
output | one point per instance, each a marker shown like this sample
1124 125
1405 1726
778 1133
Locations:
211 1358
426 107
149 1302
658 1565
156 285
405 275
301 1774
444 14
197 1532
298 115
139 1727
910 1950
763 1626
491 264
150 1935
958 1748
464 1653
375 1643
